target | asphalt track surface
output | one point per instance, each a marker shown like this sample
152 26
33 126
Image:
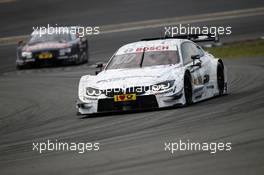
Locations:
38 104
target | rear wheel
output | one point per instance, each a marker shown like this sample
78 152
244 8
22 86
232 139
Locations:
220 79
188 88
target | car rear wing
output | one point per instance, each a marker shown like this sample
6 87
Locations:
193 37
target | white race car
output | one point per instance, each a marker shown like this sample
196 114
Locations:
154 73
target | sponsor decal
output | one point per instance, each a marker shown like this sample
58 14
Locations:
153 48
125 97
45 55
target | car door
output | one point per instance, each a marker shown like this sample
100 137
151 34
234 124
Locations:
205 64
198 72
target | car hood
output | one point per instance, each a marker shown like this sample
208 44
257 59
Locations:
120 78
45 46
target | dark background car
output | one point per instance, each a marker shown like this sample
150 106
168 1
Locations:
57 48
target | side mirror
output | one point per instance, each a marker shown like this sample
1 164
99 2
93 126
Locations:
97 72
100 66
196 57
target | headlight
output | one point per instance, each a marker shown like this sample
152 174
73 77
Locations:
26 54
162 86
64 51
92 91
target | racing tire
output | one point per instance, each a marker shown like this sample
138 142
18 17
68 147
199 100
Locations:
87 53
220 79
86 60
188 89
78 59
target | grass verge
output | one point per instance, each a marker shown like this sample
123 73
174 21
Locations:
252 48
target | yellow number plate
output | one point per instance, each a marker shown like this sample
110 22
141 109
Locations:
45 55
125 97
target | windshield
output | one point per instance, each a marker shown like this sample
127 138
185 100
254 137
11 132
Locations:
134 60
56 37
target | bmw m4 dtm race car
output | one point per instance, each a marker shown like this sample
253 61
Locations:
154 73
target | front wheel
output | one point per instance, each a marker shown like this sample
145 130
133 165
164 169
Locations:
188 88
87 56
78 60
